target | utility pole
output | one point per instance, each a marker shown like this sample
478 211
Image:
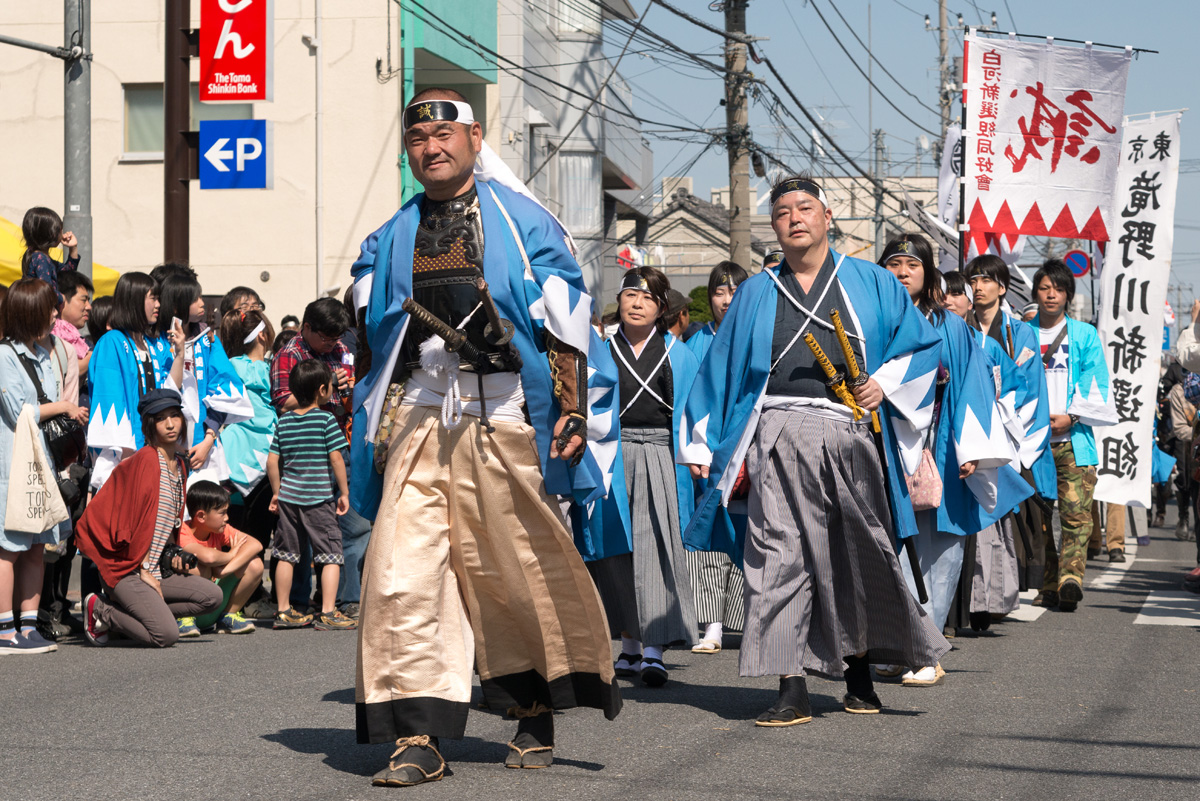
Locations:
737 136
177 142
946 79
76 54
77 128
879 154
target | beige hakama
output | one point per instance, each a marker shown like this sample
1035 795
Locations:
471 566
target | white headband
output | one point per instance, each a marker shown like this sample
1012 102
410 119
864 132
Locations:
436 111
253 335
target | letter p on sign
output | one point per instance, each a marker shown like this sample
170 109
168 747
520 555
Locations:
235 154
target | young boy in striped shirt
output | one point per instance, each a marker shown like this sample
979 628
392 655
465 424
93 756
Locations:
305 459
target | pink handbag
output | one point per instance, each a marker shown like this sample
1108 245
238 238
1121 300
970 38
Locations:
925 485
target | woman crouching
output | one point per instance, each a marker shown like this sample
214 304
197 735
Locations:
133 518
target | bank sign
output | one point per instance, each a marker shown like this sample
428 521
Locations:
236 50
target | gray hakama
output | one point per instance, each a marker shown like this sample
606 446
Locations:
648 593
994 585
720 589
823 580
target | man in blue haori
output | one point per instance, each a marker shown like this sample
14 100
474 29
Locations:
487 395
827 497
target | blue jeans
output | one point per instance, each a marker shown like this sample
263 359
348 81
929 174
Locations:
356 533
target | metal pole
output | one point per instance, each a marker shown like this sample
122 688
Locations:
944 92
878 193
319 210
737 136
176 121
408 89
77 129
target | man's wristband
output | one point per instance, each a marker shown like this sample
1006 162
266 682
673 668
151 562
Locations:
1074 420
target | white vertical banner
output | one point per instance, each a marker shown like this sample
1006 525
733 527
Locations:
951 168
1133 294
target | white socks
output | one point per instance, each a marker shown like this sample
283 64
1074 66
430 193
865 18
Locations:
653 652
631 647
714 632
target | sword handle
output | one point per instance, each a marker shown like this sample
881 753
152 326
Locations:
456 341
847 350
835 379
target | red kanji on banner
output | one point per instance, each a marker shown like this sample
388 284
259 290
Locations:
1048 122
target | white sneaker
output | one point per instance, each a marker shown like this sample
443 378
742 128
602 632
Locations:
890 671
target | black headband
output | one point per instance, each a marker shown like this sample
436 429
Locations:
900 247
635 280
437 111
797 185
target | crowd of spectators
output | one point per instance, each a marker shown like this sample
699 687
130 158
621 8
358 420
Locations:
192 431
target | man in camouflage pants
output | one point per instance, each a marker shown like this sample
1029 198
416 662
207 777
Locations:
1077 382
1075 487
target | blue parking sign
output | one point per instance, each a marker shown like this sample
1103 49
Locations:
235 154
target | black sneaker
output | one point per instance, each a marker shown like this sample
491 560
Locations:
1116 555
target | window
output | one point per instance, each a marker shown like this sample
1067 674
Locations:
577 17
144 119
579 180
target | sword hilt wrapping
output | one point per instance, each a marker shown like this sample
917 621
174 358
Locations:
835 380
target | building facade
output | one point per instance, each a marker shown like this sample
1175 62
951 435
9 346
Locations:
586 161
264 239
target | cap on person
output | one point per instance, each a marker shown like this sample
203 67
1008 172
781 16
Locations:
676 301
159 400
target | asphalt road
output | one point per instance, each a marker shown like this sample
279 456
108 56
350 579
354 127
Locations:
1089 705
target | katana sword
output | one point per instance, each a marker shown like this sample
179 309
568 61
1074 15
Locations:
857 376
833 379
498 331
456 341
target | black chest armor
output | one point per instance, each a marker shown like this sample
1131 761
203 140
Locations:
447 258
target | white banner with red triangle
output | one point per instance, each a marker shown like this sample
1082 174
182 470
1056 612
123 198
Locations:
1042 137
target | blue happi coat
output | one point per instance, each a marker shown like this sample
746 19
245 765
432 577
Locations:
607 531
114 378
1087 388
537 284
1035 411
213 392
971 428
248 443
702 340
721 415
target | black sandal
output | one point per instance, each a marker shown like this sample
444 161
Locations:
533 747
412 764
791 708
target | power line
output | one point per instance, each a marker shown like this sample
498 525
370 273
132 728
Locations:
876 60
591 103
440 24
864 73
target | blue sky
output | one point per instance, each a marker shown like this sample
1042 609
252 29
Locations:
825 80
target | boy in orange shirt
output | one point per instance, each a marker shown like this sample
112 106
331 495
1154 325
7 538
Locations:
223 553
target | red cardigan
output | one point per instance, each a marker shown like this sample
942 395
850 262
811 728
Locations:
117 527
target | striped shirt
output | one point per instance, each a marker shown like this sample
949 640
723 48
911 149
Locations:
303 443
170 504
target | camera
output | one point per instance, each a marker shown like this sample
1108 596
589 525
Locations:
169 552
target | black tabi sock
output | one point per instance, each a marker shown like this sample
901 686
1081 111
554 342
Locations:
535 732
858 677
792 692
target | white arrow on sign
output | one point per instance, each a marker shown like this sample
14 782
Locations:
217 156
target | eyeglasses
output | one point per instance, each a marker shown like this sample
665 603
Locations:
250 306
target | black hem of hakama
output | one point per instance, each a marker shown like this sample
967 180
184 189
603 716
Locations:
566 692
388 721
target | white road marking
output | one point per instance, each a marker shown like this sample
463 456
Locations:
1027 613
1174 608
1113 572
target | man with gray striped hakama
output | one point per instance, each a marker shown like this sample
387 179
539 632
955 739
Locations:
825 491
